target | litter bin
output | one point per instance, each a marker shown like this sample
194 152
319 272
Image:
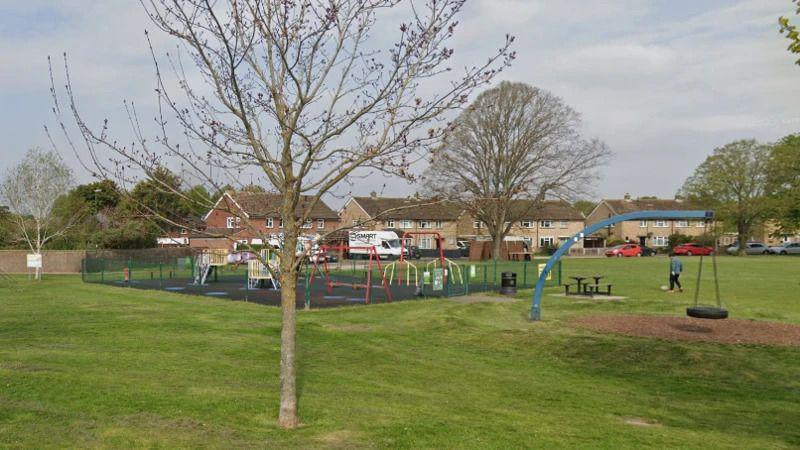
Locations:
508 283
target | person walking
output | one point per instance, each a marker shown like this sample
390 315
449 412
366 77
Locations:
675 269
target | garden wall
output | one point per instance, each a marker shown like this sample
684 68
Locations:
69 261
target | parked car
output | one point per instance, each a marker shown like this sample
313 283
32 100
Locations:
413 252
625 250
787 248
692 248
647 251
751 248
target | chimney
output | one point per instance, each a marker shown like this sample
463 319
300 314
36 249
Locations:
627 197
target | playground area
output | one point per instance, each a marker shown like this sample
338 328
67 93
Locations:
321 285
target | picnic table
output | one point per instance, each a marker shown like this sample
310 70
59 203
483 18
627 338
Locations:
585 288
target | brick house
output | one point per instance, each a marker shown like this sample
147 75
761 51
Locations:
653 233
404 215
547 225
253 216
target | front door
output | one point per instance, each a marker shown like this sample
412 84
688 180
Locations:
642 240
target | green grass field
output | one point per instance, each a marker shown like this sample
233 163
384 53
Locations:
86 365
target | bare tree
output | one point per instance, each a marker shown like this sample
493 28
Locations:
30 189
515 146
300 93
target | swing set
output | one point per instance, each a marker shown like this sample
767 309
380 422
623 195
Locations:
715 311
365 282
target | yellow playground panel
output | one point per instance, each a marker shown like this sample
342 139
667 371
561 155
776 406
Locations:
215 257
411 273
257 270
451 266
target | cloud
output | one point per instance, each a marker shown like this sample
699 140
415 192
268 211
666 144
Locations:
663 83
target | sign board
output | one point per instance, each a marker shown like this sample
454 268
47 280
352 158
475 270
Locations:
549 274
35 261
438 279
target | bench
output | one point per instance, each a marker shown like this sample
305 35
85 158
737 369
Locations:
592 289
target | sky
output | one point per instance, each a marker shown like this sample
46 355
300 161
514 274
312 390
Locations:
663 83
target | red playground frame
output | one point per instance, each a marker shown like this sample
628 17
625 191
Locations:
373 256
425 233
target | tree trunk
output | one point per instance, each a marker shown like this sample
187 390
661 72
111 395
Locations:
287 417
743 232
497 248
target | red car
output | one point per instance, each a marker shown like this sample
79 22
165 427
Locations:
625 250
692 249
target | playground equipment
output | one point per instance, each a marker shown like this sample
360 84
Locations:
439 241
409 280
259 274
207 262
564 248
366 283
707 312
451 268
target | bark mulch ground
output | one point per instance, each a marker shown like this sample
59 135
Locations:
727 331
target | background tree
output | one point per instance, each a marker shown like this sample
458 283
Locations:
790 31
30 189
783 183
515 142
584 206
99 195
299 93
733 182
6 236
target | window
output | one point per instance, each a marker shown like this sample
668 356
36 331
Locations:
439 224
184 231
476 224
389 223
269 222
280 224
545 224
682 223
425 243
661 224
546 241
563 224
424 224
405 223
526 223
642 224
307 224
659 241
701 224
229 222
320 223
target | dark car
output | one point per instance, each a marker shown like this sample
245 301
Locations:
413 252
647 251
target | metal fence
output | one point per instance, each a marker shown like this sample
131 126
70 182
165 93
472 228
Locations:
180 274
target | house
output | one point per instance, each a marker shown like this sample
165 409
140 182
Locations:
546 224
252 217
405 215
653 233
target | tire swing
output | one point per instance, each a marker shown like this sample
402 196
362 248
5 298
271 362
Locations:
703 311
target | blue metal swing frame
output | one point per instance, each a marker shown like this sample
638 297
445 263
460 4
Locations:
564 247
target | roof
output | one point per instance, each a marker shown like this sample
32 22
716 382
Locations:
624 206
264 204
408 208
549 209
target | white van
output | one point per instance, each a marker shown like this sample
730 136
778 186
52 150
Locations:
386 243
